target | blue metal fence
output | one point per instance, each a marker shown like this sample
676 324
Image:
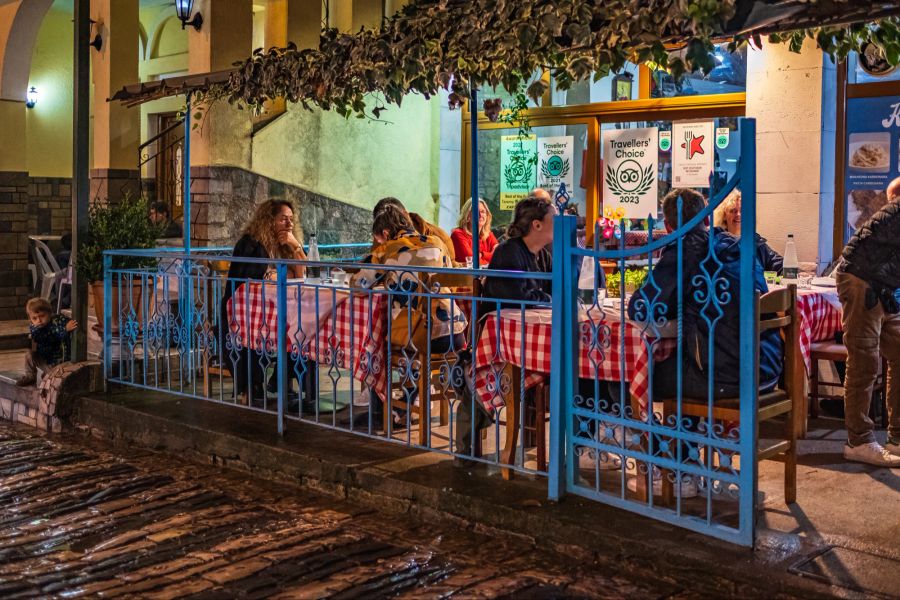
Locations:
553 391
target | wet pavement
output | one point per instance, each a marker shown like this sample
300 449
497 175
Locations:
78 519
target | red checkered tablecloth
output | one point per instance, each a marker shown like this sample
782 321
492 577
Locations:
503 341
351 329
820 318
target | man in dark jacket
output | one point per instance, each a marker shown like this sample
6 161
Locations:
867 282
659 295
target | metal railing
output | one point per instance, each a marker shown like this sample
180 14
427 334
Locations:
418 359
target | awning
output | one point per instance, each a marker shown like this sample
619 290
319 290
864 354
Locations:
138 93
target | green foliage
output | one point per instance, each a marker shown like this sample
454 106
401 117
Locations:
117 226
457 44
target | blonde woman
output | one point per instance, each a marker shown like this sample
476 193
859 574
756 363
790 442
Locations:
727 217
462 235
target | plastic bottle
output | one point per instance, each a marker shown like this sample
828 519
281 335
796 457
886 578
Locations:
313 255
791 265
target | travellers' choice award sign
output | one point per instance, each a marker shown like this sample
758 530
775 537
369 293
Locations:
692 153
555 164
630 159
518 168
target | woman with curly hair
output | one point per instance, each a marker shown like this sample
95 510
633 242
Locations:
727 217
270 234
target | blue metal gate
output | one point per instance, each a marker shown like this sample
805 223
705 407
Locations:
639 450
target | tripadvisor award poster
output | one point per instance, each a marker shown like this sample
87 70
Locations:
518 168
630 160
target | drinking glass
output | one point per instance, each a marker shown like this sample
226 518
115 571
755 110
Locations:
468 262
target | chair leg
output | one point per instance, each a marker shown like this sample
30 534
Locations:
424 385
668 490
540 410
512 426
388 411
814 387
790 458
444 404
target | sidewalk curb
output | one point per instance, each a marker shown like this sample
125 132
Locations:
384 476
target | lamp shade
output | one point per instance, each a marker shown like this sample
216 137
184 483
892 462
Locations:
31 97
183 9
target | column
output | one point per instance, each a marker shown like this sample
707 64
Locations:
117 129
220 144
304 22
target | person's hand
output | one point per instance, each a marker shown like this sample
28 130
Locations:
71 326
287 238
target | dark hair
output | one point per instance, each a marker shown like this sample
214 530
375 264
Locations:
393 220
692 203
38 306
66 241
527 210
385 202
160 208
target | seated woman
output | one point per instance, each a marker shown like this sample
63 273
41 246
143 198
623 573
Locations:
462 235
727 217
270 234
397 243
530 231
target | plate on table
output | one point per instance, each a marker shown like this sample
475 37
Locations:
823 282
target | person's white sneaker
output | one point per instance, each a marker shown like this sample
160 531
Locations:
893 446
873 454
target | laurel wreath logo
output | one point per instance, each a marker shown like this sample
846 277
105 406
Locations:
518 170
545 171
629 181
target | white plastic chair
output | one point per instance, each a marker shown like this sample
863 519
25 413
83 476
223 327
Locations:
49 271
65 278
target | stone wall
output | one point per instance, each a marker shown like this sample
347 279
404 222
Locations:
28 206
223 200
47 406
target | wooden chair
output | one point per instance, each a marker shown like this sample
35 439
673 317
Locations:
835 352
781 401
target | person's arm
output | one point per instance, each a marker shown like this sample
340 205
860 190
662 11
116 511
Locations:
489 245
462 245
508 258
771 260
665 278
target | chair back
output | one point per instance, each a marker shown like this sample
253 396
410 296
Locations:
45 259
778 310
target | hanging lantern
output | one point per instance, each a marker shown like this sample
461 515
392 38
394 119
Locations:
183 9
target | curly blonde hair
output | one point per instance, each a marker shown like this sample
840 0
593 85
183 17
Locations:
465 216
730 201
262 228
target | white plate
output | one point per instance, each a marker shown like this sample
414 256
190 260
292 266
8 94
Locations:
822 282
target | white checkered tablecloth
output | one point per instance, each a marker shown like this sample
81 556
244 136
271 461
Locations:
600 352
351 329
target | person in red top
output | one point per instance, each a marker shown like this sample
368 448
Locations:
462 235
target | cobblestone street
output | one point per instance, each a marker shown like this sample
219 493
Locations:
80 520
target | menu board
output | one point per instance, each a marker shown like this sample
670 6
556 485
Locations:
872 155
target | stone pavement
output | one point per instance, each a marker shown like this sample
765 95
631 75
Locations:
77 520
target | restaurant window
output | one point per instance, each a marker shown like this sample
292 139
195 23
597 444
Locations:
870 68
729 75
490 93
623 85
727 148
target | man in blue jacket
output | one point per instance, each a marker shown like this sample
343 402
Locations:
659 298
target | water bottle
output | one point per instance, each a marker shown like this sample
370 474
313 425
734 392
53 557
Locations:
791 265
313 255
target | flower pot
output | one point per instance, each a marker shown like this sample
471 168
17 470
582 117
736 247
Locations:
135 301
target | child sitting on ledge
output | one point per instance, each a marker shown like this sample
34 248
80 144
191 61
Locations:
49 339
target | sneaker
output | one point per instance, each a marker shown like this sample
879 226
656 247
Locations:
26 380
873 454
893 446
688 485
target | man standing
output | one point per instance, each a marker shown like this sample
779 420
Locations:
867 283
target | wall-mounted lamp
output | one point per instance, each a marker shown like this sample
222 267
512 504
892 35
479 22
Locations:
96 43
183 9
31 97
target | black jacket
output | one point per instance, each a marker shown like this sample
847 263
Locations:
696 316
514 255
246 247
771 260
873 253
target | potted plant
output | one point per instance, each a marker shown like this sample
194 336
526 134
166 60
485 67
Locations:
634 279
116 226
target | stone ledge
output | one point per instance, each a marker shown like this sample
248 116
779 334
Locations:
46 406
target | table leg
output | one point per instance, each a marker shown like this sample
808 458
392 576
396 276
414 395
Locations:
641 494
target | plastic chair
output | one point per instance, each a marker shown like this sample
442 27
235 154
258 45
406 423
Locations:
49 272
